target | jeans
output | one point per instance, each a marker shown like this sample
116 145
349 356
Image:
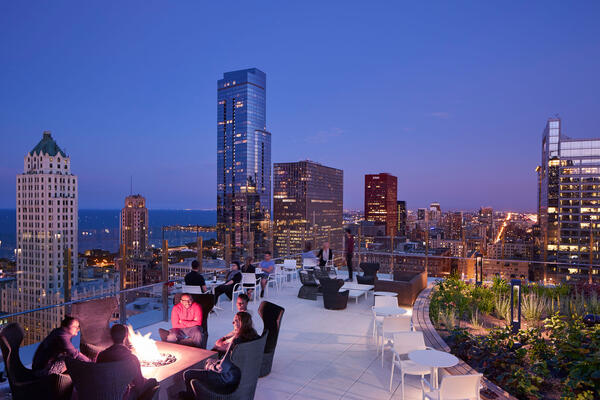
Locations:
194 333
349 264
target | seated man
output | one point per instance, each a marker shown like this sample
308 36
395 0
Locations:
268 267
222 344
194 277
186 319
233 276
119 352
51 353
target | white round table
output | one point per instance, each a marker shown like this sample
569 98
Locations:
389 294
387 311
434 359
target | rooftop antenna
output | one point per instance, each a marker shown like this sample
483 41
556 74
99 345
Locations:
131 185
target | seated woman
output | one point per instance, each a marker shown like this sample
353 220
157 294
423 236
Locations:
325 255
233 276
223 376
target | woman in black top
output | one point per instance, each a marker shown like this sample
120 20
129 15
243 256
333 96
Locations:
223 376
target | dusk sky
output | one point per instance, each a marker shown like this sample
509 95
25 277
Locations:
451 97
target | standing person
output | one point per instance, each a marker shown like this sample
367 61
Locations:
186 319
120 352
233 276
223 376
325 255
194 277
268 267
349 251
49 358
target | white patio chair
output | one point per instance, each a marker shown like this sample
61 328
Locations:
249 281
289 266
391 325
453 387
382 301
404 343
274 278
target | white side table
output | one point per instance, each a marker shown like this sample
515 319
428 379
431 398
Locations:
434 359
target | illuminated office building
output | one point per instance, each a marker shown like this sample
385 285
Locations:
402 214
133 228
569 195
243 160
381 193
307 206
452 225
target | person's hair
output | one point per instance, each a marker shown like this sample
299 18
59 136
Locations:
118 333
307 246
195 265
348 231
236 263
267 252
244 297
67 321
249 260
247 331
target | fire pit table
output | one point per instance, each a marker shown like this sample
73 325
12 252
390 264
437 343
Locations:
170 376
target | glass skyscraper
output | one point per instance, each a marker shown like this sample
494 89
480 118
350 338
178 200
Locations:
569 196
243 160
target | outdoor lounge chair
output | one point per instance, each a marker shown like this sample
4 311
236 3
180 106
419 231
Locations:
248 358
94 317
104 381
206 302
271 315
333 299
24 384
369 275
310 286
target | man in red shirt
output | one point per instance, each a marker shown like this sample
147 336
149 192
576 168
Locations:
186 318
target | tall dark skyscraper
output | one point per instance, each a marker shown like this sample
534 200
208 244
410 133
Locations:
381 193
243 160
569 209
401 206
308 205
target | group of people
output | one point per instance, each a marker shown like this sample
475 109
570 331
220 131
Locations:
50 356
325 254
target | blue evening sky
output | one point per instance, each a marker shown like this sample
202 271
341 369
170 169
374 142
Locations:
451 97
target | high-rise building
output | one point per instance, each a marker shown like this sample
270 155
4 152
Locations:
568 208
243 160
452 223
381 193
133 237
401 210
46 237
133 226
307 205
435 212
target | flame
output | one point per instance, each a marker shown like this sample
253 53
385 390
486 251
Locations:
144 348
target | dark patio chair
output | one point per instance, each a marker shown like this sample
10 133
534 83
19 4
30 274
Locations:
248 358
24 384
333 299
310 286
94 317
271 315
207 303
369 275
104 381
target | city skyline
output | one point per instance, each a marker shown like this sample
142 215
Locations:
460 123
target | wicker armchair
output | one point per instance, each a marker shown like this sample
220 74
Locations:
310 286
333 299
24 384
248 358
94 317
105 381
271 315
369 275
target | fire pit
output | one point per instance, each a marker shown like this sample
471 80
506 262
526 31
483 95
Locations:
166 359
166 362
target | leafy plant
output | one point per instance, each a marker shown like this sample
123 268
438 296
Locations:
502 307
448 319
534 307
475 319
